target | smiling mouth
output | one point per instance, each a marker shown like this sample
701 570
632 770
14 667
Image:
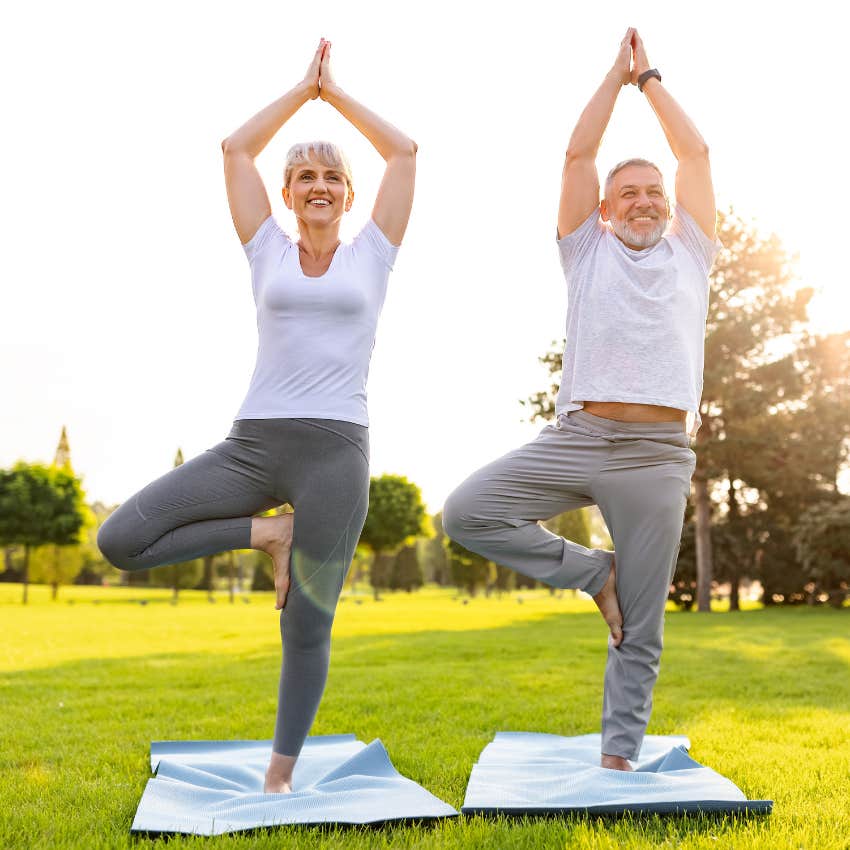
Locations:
647 218
319 202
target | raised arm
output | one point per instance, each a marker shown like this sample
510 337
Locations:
694 190
580 180
249 203
395 195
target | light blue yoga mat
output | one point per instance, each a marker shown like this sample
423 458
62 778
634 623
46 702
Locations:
527 772
212 787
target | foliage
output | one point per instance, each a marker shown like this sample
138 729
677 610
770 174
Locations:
39 505
822 540
396 513
470 571
574 525
435 563
406 572
263 578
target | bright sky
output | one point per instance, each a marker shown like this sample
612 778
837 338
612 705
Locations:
126 303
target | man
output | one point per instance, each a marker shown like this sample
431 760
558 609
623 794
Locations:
629 397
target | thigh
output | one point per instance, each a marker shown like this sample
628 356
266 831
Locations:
229 480
329 483
642 495
543 478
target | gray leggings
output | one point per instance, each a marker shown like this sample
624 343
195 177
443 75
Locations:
639 475
321 468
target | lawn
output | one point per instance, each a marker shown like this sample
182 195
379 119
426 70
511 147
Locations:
87 682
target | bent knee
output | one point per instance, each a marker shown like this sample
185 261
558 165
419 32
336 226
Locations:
113 544
457 514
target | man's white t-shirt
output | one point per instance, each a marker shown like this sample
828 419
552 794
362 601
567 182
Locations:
636 319
316 334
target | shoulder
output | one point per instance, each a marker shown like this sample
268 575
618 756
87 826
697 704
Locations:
685 231
371 242
269 236
579 243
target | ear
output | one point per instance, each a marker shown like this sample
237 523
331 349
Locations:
287 197
349 199
604 214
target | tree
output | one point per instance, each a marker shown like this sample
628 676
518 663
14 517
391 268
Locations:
435 564
406 572
54 564
822 540
395 513
39 505
469 570
574 525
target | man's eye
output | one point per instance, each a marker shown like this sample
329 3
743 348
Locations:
306 176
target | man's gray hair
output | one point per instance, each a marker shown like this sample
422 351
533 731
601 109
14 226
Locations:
326 152
609 180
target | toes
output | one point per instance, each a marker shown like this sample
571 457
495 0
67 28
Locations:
616 634
282 588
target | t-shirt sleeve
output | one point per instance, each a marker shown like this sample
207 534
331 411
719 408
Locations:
575 246
268 237
692 236
372 238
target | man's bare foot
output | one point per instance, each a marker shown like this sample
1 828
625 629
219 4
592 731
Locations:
609 607
615 763
273 535
279 774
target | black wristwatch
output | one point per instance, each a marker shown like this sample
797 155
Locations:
648 75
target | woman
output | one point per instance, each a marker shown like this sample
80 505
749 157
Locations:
301 435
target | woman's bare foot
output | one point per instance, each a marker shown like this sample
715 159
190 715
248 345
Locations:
273 535
615 763
609 607
279 774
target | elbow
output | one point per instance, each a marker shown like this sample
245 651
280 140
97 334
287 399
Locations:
697 151
409 149
230 148
576 155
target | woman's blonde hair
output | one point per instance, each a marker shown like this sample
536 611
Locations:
326 152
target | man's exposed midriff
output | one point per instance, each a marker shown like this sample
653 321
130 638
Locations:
623 411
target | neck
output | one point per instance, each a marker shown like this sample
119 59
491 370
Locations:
318 241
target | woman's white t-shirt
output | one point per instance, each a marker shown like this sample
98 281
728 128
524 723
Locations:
316 334
636 319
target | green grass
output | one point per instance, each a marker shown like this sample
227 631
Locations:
87 682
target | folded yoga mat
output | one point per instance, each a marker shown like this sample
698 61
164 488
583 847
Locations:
211 787
527 772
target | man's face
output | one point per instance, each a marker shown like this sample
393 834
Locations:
637 206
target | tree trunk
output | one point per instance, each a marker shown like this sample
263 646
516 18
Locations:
231 576
702 529
54 590
26 575
734 569
207 580
175 585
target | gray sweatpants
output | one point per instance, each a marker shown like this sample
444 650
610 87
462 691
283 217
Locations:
639 475
321 468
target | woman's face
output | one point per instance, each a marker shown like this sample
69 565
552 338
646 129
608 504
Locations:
317 193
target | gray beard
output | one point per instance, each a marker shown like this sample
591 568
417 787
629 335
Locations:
641 240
